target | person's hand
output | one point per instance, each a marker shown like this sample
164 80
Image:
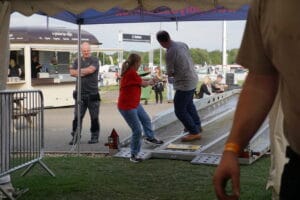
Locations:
224 86
151 82
228 169
155 79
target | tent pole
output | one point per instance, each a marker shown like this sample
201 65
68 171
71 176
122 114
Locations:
160 50
151 52
5 10
78 101
224 57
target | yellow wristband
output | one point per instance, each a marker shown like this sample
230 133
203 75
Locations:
233 147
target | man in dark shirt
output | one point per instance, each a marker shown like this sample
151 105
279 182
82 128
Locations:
90 99
35 67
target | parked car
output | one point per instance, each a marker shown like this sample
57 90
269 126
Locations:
240 70
108 68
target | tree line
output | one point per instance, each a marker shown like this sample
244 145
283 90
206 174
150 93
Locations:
200 56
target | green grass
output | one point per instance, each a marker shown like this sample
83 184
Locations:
106 178
114 88
111 88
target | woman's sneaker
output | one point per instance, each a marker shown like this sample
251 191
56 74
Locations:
153 141
135 159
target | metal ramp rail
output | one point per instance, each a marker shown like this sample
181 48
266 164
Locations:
216 114
257 147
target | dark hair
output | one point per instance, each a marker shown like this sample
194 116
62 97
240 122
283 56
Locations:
162 36
220 76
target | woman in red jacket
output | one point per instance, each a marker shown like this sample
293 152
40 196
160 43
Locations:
130 107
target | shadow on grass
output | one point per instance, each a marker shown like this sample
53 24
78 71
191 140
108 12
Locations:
106 178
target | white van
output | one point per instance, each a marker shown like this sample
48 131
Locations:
108 68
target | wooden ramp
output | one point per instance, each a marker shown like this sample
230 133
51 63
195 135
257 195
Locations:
216 114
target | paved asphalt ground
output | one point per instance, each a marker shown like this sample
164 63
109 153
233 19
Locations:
58 121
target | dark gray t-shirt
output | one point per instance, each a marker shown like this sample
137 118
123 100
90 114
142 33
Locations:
89 83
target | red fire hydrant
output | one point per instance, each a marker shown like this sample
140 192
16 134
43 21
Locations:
113 142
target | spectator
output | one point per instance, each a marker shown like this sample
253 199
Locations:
90 98
35 67
117 76
101 79
205 88
14 70
52 67
218 86
158 87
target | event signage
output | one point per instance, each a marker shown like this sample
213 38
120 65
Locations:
136 38
48 36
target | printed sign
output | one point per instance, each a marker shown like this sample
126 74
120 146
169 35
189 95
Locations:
136 38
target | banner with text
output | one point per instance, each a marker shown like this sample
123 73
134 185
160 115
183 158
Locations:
136 38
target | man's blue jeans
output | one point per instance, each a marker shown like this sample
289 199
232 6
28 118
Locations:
186 112
136 119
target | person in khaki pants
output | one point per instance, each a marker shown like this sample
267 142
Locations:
270 50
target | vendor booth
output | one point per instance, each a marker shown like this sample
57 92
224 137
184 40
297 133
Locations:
55 50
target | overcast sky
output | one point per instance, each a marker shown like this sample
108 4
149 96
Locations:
202 34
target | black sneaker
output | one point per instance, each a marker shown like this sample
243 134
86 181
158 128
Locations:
73 133
135 159
153 141
74 140
93 141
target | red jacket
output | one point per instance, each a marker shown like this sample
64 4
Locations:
130 90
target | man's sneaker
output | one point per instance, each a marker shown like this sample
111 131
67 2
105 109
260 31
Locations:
73 141
153 141
200 130
93 141
135 159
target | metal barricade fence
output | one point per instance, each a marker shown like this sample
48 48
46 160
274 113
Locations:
21 130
